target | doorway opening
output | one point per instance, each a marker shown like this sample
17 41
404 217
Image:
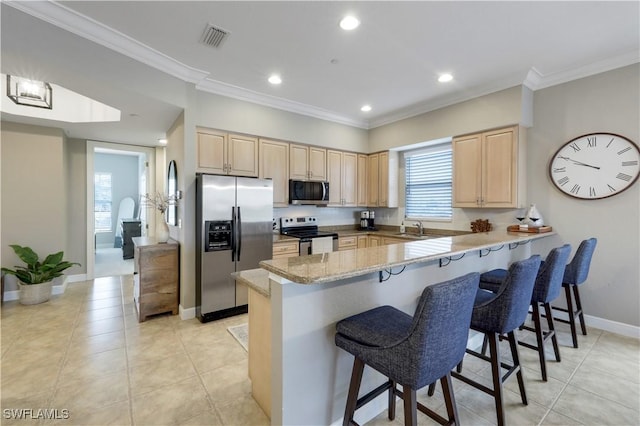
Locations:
117 177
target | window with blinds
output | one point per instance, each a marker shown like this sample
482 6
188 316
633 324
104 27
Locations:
428 182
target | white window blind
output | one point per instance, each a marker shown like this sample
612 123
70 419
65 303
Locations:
102 203
428 183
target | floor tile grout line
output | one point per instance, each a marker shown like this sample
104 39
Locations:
65 355
126 358
566 383
209 400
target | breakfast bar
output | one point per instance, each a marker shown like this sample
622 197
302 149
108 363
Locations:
298 374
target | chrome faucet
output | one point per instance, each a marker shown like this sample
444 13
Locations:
419 225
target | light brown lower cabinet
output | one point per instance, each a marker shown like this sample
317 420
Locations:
260 349
286 249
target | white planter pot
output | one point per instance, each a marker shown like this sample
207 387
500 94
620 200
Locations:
32 294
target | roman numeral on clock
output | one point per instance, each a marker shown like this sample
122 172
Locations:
630 163
559 169
563 181
624 177
591 142
610 142
575 147
622 151
592 191
575 189
611 188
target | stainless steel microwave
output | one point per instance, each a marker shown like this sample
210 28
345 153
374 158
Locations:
308 192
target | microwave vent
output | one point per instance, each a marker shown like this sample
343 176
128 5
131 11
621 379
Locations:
213 36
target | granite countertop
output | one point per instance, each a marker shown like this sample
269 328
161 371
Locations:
279 238
327 267
257 279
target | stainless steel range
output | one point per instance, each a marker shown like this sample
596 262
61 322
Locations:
305 229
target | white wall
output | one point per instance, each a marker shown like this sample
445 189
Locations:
608 102
34 192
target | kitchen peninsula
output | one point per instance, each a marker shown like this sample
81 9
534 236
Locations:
303 378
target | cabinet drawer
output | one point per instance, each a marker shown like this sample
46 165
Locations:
287 249
346 243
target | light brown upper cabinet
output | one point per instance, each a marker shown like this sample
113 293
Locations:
485 169
362 180
382 181
342 174
228 154
307 162
274 164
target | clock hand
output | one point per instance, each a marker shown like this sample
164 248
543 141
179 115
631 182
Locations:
578 162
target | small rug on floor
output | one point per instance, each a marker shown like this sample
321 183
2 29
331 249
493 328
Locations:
241 334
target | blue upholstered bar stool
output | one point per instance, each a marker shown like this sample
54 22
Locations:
546 289
499 313
575 274
411 351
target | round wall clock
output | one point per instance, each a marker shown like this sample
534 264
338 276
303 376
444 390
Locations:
594 166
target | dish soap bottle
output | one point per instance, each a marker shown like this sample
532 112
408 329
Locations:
402 229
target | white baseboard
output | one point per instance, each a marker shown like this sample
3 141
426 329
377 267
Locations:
604 324
188 313
76 278
56 289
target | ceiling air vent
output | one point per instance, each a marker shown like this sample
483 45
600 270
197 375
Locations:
213 36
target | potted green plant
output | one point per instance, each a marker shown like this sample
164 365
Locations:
35 280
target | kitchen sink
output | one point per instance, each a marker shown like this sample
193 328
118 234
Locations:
415 236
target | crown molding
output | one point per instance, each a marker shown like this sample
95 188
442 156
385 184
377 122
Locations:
445 101
231 91
536 80
90 29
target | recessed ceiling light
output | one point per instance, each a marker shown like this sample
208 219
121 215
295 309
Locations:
162 141
366 108
445 78
275 79
349 23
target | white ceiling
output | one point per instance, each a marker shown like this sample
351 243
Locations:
137 56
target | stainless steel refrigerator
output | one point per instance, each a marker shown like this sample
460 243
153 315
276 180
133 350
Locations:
234 220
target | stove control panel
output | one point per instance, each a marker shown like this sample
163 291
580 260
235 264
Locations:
293 222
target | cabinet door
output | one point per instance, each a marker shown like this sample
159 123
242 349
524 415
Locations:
363 241
298 157
274 164
317 163
362 181
349 179
373 241
334 176
243 155
212 152
499 175
467 168
373 182
383 179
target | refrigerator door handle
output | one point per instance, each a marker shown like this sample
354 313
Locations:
239 233
233 234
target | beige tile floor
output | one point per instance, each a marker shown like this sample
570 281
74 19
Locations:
85 352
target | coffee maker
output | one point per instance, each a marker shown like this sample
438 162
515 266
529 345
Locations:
367 217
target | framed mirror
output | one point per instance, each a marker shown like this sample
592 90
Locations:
172 191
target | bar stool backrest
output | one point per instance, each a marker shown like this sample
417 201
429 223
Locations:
510 307
578 270
550 275
440 329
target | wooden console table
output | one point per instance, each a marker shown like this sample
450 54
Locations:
156 277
